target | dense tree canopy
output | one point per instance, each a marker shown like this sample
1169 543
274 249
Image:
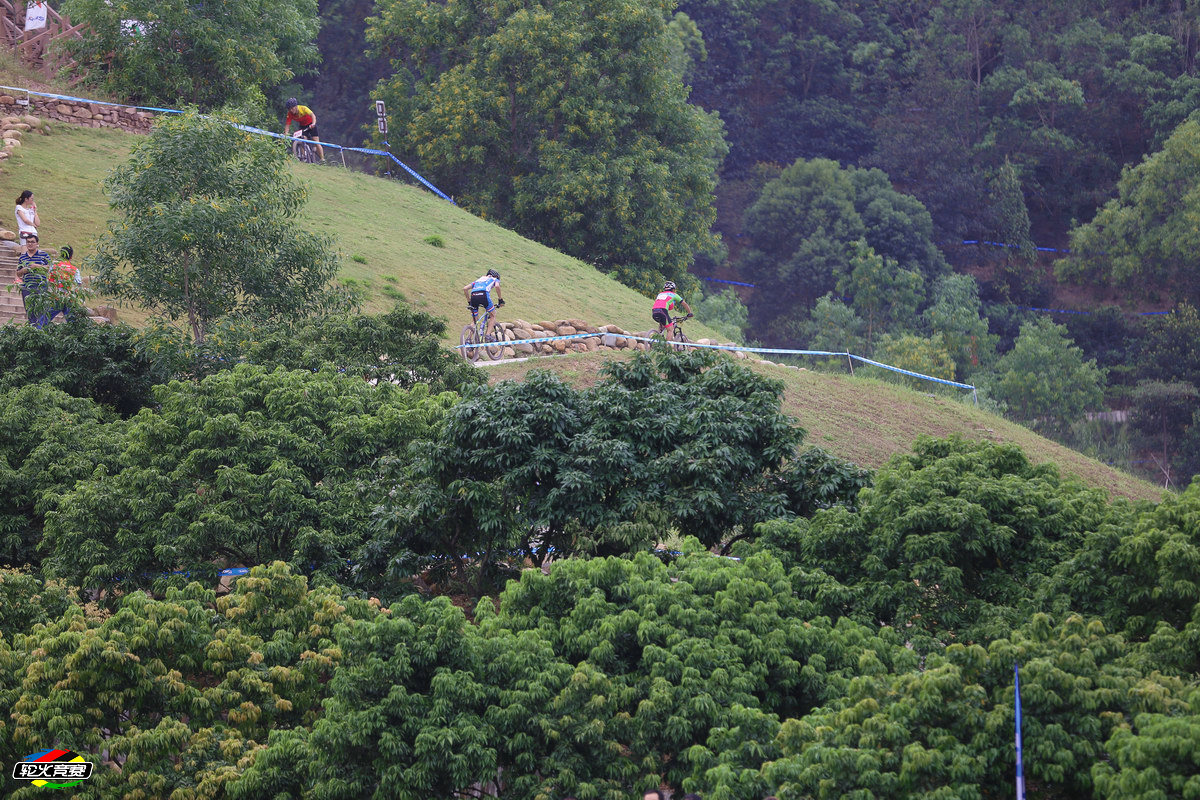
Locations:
247 466
1146 237
210 54
692 445
564 122
807 225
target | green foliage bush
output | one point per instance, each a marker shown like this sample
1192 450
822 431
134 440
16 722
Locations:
206 229
210 55
688 443
101 362
244 467
48 441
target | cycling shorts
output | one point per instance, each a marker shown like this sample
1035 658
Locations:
310 132
482 299
661 316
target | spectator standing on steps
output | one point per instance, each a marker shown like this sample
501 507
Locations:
27 215
306 123
34 283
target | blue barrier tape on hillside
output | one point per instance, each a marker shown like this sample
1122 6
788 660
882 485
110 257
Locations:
732 283
911 374
247 128
1069 311
737 348
365 150
1011 246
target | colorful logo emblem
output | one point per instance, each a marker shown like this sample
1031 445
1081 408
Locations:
53 769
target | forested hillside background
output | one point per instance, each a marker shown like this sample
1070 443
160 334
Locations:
267 545
906 180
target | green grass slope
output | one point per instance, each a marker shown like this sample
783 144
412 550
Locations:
868 421
383 230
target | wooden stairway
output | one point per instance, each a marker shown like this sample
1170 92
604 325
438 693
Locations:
34 47
12 310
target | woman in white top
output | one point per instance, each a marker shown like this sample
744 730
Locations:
27 216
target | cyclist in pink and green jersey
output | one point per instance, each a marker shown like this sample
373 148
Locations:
666 302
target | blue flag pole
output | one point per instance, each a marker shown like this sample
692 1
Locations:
1020 768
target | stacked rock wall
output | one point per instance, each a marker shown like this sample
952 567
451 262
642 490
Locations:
518 336
93 115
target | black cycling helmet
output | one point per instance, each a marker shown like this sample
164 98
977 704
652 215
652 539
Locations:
292 103
493 274
669 286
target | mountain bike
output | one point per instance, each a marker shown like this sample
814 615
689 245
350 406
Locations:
303 149
675 335
476 334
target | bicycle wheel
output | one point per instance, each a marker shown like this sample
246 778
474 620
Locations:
305 152
679 340
495 347
468 338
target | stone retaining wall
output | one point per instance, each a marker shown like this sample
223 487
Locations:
93 115
518 332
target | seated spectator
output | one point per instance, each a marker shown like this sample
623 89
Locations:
32 268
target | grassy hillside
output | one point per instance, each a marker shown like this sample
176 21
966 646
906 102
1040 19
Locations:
867 421
383 230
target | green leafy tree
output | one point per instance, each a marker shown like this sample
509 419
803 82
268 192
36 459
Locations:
947 544
48 441
564 122
244 467
884 295
1018 278
1145 238
207 228
956 315
804 227
179 692
1044 380
206 54
101 362
689 443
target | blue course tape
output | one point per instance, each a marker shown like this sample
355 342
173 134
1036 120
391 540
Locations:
1013 246
1068 311
732 283
911 374
247 128
738 348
